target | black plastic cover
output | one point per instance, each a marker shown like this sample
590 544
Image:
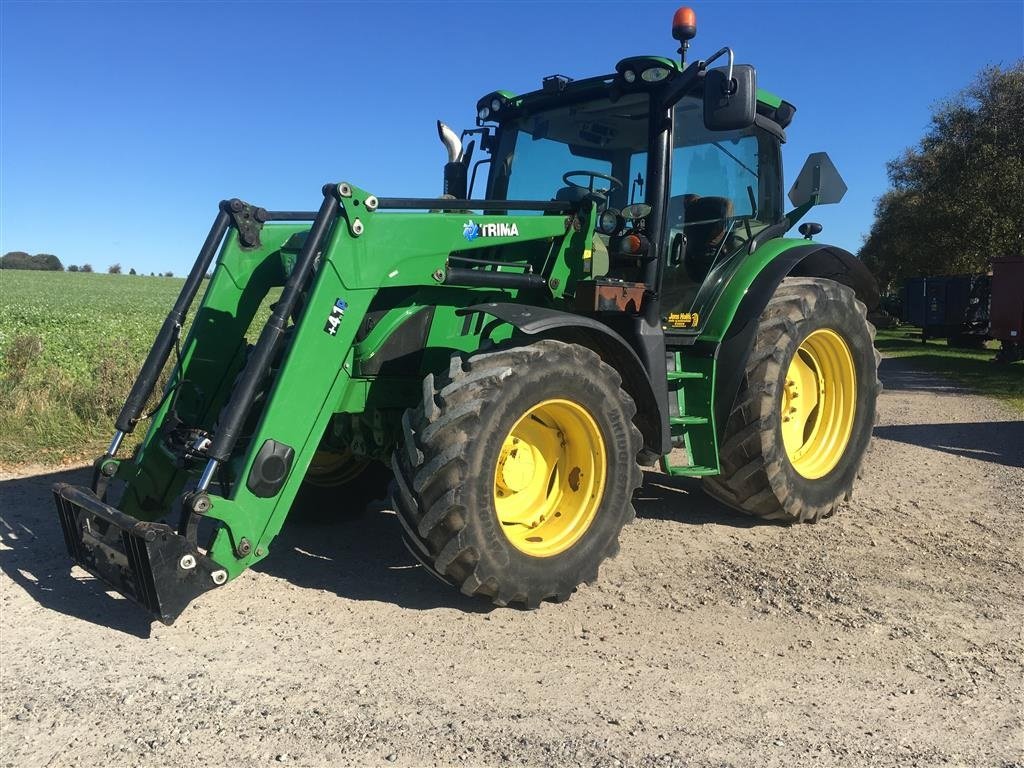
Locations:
270 469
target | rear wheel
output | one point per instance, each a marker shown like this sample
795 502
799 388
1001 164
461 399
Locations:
517 471
801 424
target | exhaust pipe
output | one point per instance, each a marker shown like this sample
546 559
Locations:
451 142
455 168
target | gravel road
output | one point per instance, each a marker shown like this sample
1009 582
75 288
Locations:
890 634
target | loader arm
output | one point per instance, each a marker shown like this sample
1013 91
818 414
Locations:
239 424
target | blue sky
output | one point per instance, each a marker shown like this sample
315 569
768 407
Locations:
123 124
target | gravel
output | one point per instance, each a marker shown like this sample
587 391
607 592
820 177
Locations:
889 634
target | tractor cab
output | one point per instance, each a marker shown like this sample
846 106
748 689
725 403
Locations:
683 164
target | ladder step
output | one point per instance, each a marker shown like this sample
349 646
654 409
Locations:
687 421
686 470
680 375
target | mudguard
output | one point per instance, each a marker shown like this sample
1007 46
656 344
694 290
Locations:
803 260
652 412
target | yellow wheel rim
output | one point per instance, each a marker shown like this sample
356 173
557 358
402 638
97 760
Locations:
549 478
819 400
329 469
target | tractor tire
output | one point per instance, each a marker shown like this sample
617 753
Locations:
517 471
791 459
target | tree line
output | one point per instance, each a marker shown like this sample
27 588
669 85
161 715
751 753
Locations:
956 199
50 263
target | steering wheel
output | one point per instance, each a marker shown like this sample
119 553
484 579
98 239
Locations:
592 175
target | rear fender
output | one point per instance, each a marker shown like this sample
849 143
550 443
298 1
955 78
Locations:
735 322
652 415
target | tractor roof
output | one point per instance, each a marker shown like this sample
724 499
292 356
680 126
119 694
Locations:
556 88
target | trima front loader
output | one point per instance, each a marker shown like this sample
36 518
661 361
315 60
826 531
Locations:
615 282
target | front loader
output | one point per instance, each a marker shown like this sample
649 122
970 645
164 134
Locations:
610 281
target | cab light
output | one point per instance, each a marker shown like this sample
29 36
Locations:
495 105
631 244
629 76
654 74
484 113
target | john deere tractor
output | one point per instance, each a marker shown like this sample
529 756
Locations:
608 282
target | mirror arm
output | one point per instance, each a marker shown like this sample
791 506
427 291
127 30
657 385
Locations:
683 84
728 74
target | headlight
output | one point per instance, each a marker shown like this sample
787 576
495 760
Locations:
495 105
654 74
629 76
484 113
608 222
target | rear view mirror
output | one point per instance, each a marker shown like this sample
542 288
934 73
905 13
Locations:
730 106
819 182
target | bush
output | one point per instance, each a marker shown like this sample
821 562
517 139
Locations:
132 271
114 269
87 267
72 267
21 260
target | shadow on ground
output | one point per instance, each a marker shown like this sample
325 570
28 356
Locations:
33 555
999 442
356 555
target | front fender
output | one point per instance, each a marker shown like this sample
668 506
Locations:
652 412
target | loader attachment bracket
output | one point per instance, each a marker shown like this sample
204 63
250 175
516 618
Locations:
248 220
146 562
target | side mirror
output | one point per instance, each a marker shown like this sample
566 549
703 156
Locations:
730 105
819 183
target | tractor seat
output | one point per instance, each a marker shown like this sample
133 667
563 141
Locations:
705 221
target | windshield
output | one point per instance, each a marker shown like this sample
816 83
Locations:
534 152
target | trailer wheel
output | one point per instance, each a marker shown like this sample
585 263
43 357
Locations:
801 423
517 471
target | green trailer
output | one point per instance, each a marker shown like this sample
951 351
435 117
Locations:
609 280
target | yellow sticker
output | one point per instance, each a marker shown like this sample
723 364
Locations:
586 254
684 319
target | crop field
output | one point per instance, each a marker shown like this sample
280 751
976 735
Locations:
70 346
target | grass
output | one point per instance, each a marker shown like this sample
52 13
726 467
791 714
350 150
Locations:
972 368
70 346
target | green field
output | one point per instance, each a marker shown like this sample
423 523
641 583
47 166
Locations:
70 346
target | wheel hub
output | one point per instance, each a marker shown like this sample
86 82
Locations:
549 478
818 402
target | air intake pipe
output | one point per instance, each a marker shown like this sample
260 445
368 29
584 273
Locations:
455 169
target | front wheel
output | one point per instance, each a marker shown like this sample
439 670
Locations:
801 423
517 471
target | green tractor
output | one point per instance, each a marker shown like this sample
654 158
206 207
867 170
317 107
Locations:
608 286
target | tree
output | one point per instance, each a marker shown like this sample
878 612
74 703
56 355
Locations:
132 271
21 260
72 267
16 260
168 274
87 267
114 269
48 261
957 198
